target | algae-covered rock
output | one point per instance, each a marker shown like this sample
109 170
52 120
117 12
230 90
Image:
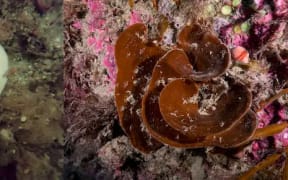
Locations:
3 68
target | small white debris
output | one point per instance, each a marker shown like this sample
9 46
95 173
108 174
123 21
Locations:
23 119
7 135
131 110
191 100
155 42
191 120
160 82
203 111
194 45
147 78
220 139
131 99
142 37
136 71
143 128
177 137
222 123
170 79
225 84
138 112
154 99
173 114
185 129
283 99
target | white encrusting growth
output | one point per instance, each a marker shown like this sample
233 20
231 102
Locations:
191 100
208 103
207 97
209 100
131 98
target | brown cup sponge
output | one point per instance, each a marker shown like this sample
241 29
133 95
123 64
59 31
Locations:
158 94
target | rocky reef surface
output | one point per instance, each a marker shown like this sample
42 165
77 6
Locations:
95 145
31 104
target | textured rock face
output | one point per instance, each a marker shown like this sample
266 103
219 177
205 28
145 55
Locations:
96 147
31 101
3 68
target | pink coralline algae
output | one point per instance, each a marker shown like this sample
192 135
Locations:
283 113
265 116
109 63
233 39
96 15
281 7
99 40
258 4
264 30
135 17
96 43
258 148
261 24
77 25
95 6
281 139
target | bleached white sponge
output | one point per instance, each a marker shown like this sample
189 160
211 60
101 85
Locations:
3 68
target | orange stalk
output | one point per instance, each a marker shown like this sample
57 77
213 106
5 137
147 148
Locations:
163 25
269 130
273 98
131 3
262 165
285 170
155 4
177 2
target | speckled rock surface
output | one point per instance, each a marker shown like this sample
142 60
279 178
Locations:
31 134
95 145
